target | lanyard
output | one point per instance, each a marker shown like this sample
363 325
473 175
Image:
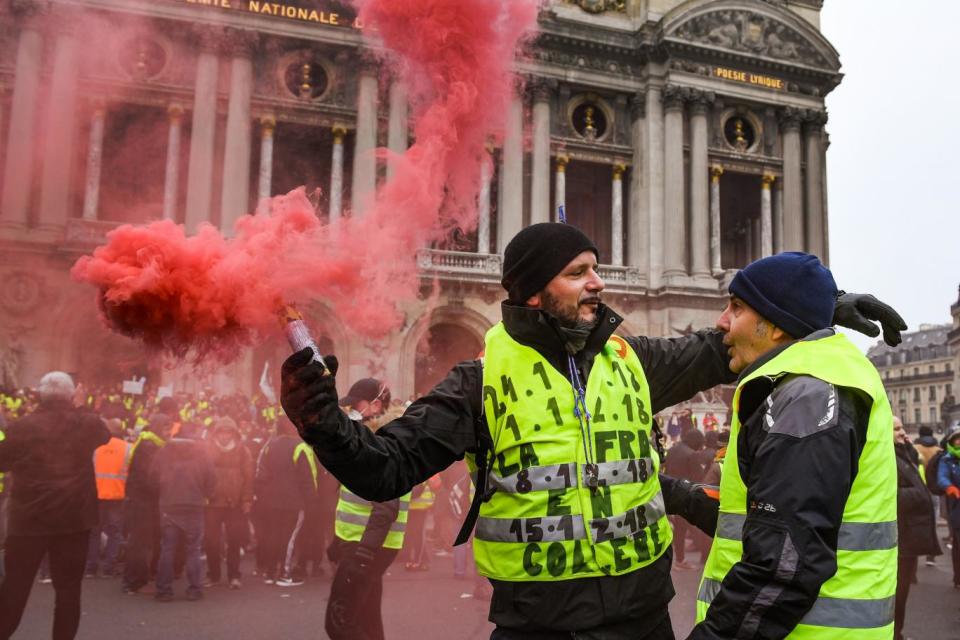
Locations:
580 410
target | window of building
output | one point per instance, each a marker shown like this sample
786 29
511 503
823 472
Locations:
739 218
916 416
933 415
932 369
916 371
916 394
948 389
933 393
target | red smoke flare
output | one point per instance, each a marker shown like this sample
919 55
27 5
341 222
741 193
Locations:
215 296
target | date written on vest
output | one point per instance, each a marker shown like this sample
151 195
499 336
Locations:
575 493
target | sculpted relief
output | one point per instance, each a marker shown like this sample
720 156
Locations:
750 33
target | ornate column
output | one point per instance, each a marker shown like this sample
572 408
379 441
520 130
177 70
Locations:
699 189
60 127
560 184
397 129
639 239
336 174
19 165
234 198
616 217
364 184
825 256
675 227
202 131
716 255
510 219
171 180
792 235
91 196
778 217
766 216
540 178
814 182
653 180
483 202
268 123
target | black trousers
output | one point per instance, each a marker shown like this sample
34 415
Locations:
277 527
68 557
906 572
955 555
219 520
621 631
680 529
142 523
353 609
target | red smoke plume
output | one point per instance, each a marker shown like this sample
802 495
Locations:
215 296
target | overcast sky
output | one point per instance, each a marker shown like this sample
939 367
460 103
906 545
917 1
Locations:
893 172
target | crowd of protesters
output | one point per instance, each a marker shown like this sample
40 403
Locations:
159 487
189 484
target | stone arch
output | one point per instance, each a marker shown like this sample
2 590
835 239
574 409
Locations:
473 326
752 28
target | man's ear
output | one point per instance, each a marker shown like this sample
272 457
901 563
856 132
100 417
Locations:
534 301
778 335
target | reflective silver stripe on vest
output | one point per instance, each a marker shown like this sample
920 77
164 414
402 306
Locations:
839 613
111 476
629 523
549 477
545 529
361 521
563 476
353 498
854 536
565 528
621 471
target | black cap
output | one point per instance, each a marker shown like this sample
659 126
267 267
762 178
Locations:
368 389
537 254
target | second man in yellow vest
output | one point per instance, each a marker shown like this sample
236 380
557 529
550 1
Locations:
805 539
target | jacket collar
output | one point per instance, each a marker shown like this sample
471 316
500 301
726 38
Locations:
539 330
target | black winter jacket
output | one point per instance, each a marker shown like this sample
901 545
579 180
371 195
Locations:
441 427
279 483
793 427
50 455
183 474
916 525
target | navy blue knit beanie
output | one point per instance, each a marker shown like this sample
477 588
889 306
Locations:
538 253
792 290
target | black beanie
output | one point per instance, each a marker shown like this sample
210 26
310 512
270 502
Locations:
538 253
792 290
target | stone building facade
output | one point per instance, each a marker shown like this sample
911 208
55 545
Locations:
952 408
687 137
919 376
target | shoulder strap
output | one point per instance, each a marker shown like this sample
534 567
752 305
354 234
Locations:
483 459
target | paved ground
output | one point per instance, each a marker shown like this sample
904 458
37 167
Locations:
422 606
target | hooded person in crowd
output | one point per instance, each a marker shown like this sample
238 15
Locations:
805 531
53 502
231 501
685 460
926 445
948 478
284 486
141 510
556 408
916 526
185 480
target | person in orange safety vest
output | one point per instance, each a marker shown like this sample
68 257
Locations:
110 463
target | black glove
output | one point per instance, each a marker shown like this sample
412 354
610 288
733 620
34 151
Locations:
308 391
859 311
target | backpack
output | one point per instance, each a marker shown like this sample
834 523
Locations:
933 466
